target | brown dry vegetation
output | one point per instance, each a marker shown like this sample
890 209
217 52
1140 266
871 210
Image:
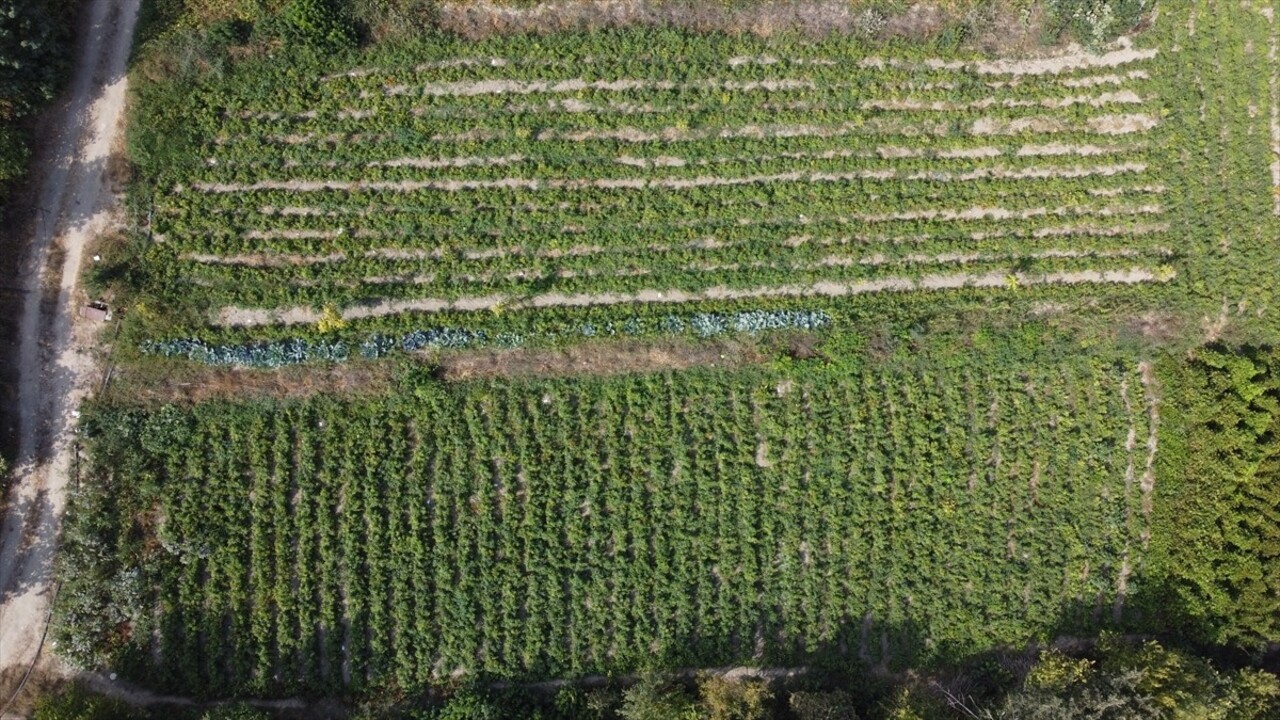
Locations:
599 359
190 383
193 383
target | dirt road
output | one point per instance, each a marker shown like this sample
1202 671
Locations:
74 203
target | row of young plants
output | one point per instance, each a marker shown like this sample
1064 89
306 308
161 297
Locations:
914 508
909 146
230 136
634 53
551 218
595 57
576 165
888 315
284 289
294 351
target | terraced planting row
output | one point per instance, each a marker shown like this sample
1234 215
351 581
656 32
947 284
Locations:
544 529
564 171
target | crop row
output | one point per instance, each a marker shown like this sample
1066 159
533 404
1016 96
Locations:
598 107
557 217
298 350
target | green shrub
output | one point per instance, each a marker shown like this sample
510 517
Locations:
1219 514
76 702
315 24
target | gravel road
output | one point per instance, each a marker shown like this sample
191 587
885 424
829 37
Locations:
55 368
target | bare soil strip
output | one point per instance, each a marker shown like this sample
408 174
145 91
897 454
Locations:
293 234
1118 191
244 317
198 384
526 87
1124 97
1100 231
458 162
1121 124
599 358
1075 58
1057 149
1031 173
1148 482
1273 64
265 259
1110 79
997 213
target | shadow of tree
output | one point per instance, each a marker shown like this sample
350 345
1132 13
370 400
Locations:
25 553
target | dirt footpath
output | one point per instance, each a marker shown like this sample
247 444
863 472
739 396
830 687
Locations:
74 203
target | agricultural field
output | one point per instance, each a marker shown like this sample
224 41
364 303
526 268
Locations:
576 173
558 179
633 168
1000 269
555 528
523 187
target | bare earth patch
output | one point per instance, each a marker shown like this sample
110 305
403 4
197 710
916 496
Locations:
597 358
198 384
265 259
520 87
1148 481
1121 124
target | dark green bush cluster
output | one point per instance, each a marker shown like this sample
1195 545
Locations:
314 24
1219 523
30 48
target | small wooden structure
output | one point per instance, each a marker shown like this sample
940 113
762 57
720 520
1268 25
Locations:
96 310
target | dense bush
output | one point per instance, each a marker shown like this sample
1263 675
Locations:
31 49
315 24
1219 511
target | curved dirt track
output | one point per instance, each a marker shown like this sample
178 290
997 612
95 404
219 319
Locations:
54 369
